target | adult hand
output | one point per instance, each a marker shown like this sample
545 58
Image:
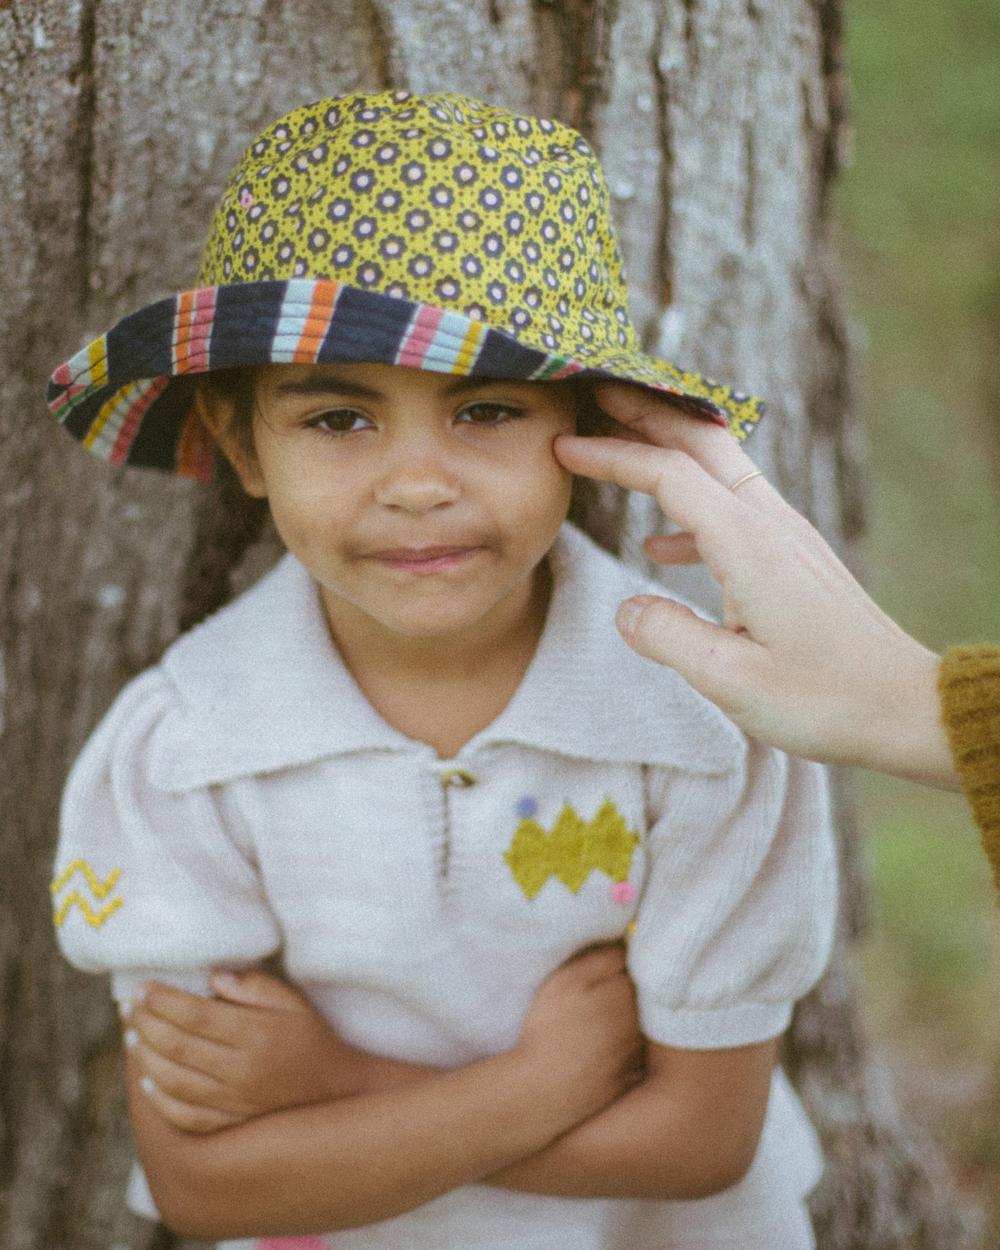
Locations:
803 658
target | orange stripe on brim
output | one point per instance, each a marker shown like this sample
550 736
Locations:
317 322
193 329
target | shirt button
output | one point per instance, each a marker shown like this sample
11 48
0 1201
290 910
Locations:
457 778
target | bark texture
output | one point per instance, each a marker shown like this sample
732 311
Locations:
720 124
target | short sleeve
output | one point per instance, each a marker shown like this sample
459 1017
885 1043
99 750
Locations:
737 916
149 882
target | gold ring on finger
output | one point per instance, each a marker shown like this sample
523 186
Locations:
746 478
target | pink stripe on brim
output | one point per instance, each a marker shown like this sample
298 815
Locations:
193 329
130 426
413 349
204 305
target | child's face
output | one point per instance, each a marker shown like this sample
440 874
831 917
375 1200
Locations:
421 501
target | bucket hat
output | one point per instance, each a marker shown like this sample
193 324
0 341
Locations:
431 231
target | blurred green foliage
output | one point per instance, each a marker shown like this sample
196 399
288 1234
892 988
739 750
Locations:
921 243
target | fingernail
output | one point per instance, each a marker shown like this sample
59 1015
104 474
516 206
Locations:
131 1038
627 616
147 1085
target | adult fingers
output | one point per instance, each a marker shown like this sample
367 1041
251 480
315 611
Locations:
652 413
712 658
695 497
652 416
674 479
672 548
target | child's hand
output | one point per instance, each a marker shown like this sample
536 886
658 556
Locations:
582 1029
258 1046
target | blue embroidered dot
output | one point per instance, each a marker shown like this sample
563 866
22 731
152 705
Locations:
526 807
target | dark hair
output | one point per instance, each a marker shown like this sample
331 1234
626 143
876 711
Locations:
237 388
231 520
597 508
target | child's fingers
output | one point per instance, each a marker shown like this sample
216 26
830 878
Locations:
178 1045
257 989
184 1116
598 963
208 1018
184 1085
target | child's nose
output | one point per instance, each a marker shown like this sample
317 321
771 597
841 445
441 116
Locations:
418 480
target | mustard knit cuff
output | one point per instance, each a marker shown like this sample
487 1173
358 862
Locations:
969 686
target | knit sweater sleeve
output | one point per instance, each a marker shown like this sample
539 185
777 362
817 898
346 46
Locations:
149 882
969 686
738 911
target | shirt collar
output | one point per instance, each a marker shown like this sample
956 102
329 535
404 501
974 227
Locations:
588 695
287 699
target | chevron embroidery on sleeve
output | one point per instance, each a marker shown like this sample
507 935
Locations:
571 850
99 890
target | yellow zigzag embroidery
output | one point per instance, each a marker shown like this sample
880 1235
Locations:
572 850
99 889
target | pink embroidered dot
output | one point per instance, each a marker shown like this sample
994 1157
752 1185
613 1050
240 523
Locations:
246 199
293 1243
623 892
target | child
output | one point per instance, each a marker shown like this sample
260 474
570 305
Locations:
416 764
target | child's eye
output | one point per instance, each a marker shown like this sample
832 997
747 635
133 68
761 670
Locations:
489 414
339 421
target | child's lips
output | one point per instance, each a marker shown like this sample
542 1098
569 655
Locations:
425 559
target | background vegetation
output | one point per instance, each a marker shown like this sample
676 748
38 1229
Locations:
922 242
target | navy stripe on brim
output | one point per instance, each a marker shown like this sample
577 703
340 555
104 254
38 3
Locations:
367 326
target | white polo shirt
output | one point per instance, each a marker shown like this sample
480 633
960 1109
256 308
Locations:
243 799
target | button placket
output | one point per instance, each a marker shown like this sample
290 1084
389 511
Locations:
451 779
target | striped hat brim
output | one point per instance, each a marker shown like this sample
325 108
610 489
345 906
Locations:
127 396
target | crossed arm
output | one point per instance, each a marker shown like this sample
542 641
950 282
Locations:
252 1117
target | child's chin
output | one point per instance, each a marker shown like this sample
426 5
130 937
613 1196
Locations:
444 626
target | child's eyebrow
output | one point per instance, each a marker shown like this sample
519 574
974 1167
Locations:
330 384
327 385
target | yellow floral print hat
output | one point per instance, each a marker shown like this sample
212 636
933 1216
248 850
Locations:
436 232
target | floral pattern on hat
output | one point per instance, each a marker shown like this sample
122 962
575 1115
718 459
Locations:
429 171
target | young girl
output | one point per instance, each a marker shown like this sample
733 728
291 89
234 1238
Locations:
416 766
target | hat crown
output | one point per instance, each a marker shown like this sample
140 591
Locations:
437 199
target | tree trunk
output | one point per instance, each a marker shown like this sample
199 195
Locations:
720 125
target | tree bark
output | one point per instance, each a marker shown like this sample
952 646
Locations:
720 125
